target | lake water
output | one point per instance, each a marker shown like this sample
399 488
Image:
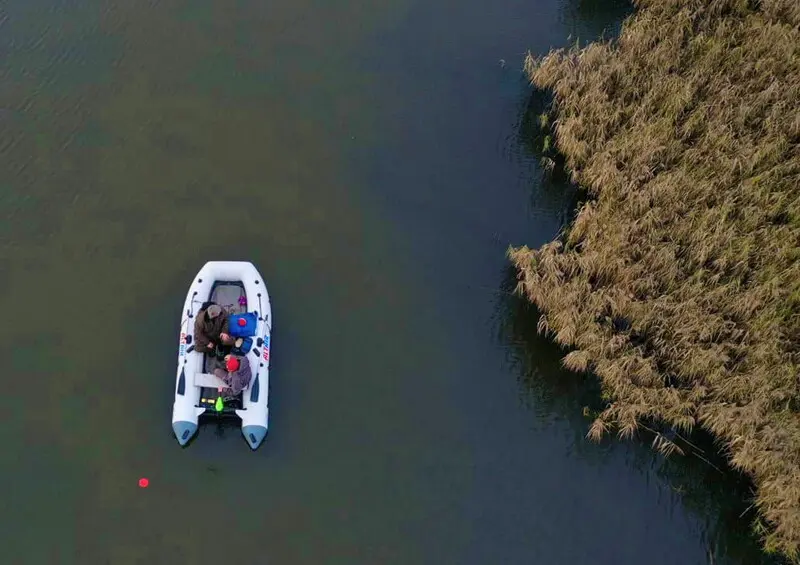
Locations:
370 158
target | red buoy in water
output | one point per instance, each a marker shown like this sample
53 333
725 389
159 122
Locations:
143 483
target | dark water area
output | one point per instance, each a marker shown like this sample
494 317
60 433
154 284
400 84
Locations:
372 160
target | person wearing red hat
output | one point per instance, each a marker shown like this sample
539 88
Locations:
232 363
236 374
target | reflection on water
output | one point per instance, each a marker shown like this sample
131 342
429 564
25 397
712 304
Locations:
701 480
554 190
589 19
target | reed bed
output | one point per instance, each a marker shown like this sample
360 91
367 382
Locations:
678 282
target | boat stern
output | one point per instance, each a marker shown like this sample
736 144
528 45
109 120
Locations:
184 431
254 435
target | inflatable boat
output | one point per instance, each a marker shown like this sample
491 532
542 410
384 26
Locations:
238 288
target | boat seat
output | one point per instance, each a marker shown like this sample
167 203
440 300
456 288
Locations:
209 380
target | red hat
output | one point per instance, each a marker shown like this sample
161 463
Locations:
232 364
242 322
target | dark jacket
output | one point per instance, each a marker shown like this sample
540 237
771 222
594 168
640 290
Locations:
207 330
237 380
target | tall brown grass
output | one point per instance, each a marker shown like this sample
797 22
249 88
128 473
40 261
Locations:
678 283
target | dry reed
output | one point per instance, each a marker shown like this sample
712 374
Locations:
678 283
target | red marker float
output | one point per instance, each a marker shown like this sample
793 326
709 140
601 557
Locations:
144 483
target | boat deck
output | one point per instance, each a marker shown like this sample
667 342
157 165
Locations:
227 295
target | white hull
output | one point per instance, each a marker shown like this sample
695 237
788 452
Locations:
187 408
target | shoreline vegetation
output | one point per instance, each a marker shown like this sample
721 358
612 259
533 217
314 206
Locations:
718 497
678 281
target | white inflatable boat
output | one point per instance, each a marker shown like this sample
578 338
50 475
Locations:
238 288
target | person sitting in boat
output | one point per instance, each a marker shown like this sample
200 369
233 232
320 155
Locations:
236 374
211 330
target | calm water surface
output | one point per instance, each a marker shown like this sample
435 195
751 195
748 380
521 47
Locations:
369 157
